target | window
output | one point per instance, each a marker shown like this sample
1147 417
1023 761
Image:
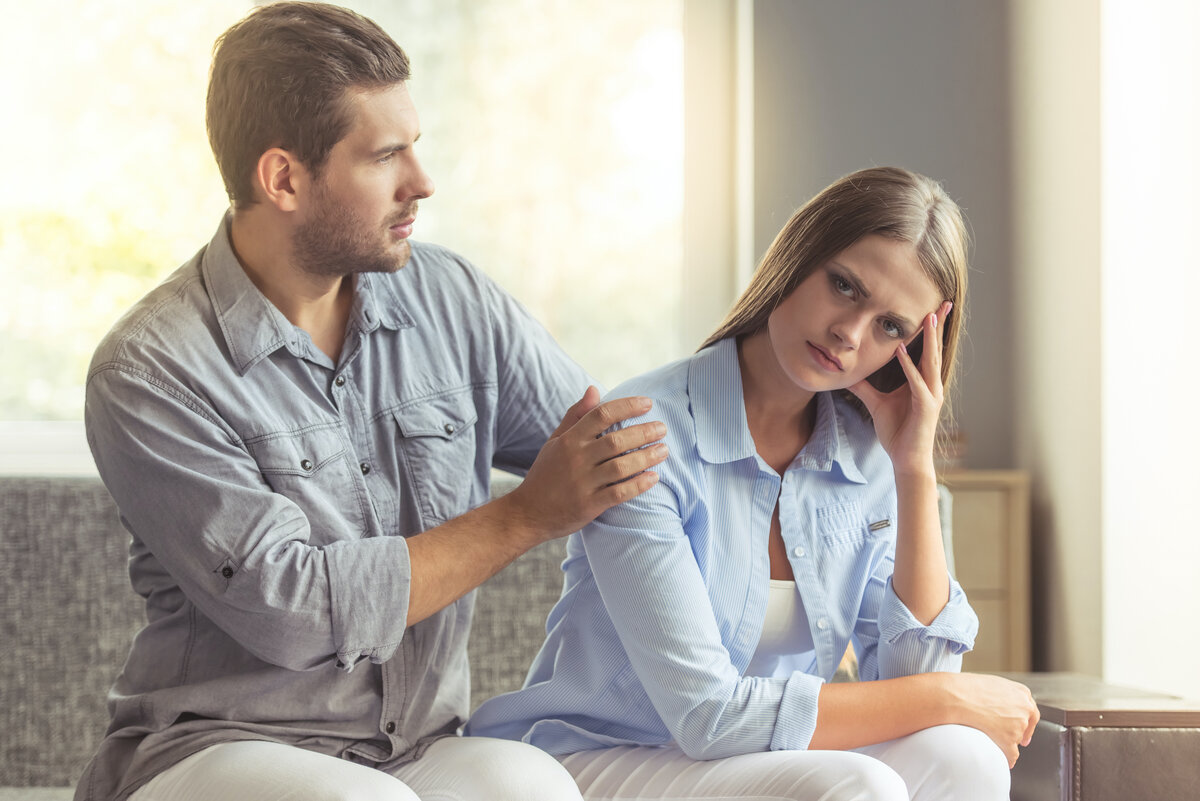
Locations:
552 130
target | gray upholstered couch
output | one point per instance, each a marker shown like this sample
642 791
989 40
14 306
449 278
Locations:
69 615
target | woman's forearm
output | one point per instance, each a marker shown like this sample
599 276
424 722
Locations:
920 577
854 714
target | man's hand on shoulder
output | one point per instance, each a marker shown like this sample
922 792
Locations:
581 470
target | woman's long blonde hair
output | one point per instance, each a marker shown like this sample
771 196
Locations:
887 201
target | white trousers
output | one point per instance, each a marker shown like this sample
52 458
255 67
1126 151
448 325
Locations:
452 769
944 763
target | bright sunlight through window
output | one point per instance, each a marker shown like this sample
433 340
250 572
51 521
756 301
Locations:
553 131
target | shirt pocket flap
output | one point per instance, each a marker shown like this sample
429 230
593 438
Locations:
298 453
445 416
841 524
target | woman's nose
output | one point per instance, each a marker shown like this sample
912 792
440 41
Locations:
849 331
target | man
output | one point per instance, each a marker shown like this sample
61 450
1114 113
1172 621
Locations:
298 427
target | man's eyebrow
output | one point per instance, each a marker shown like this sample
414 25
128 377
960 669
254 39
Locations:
394 148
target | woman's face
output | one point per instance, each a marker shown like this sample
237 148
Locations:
846 319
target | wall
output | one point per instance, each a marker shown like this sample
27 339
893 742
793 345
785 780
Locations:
1150 287
1068 131
921 84
1056 322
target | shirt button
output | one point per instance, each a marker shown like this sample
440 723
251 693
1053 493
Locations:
822 624
799 551
305 464
449 428
227 572
390 728
340 380
366 468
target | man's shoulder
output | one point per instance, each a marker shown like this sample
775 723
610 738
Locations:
175 311
438 265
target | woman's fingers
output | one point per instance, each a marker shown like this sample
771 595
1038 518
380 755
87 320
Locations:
911 371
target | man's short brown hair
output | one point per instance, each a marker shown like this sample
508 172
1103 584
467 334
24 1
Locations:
280 79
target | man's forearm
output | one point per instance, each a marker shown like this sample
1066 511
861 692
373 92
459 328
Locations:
452 559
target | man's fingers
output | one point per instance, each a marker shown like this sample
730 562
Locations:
609 413
632 463
622 491
628 439
591 397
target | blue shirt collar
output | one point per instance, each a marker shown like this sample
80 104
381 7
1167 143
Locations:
254 328
723 434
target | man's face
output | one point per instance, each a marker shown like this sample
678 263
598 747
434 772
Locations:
359 214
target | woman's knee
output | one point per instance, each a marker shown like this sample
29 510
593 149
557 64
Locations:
956 762
828 775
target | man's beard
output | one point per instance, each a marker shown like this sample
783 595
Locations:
337 243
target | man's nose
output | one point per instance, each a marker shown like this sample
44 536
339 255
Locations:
418 186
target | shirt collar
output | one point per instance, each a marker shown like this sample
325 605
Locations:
723 433
254 328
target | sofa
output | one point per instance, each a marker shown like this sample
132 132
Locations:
69 615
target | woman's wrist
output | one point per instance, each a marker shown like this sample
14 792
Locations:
916 474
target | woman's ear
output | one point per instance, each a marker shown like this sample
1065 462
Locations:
278 175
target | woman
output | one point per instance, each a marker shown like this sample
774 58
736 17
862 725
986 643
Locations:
689 653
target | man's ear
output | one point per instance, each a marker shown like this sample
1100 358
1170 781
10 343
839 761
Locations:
281 178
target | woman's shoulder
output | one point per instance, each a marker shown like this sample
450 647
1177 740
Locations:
666 386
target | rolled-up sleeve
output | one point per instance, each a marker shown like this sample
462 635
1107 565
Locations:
190 491
906 646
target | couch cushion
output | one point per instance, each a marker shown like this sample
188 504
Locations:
68 616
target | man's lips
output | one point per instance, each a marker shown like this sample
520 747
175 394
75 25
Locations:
825 358
404 228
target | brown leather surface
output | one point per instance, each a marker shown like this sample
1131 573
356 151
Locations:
1072 699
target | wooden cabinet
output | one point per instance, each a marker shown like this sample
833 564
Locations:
990 526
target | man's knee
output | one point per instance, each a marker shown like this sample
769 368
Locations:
485 769
516 771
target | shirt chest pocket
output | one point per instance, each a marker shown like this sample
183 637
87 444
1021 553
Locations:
842 526
315 469
437 446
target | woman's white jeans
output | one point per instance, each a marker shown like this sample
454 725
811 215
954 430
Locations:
944 763
452 769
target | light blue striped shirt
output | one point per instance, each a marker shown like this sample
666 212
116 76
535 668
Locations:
664 596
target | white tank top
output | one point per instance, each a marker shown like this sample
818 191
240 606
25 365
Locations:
785 629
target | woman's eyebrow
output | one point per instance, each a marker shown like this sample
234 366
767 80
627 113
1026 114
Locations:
849 277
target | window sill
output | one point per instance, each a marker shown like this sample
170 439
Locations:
44 448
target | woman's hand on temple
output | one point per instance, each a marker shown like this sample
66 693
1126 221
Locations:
906 419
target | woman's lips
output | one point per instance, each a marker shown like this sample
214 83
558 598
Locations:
825 358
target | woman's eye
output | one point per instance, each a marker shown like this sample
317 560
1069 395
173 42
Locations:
892 329
842 286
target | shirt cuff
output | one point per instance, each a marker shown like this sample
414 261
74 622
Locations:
956 625
369 582
797 718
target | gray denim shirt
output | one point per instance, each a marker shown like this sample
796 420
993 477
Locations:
269 491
